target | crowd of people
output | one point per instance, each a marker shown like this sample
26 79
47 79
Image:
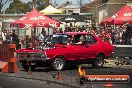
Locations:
121 34
10 38
118 35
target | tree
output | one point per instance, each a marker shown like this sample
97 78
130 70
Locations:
55 4
19 7
2 3
39 4
68 3
16 7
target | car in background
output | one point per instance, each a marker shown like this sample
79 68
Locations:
66 49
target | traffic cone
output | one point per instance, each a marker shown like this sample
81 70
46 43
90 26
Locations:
29 72
59 76
108 85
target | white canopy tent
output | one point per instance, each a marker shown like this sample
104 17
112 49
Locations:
50 10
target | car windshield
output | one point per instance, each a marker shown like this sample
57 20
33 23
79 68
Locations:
59 39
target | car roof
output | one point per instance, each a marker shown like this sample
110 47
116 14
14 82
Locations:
74 33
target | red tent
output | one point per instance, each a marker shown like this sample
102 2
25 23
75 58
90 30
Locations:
35 19
124 14
107 21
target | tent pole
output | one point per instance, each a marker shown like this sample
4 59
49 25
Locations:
48 31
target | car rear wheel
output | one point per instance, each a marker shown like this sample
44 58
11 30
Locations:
58 63
99 61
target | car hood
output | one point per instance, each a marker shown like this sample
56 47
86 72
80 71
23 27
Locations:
27 50
38 50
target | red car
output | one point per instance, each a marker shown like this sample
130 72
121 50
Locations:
66 49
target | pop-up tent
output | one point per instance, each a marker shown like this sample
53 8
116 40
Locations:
123 15
35 19
50 10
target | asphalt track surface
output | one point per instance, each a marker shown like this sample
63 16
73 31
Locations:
46 78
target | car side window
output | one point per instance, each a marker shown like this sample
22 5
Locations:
90 39
79 39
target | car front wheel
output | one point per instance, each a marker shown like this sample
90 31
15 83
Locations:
25 66
58 63
99 61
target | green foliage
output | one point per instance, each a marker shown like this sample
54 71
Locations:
38 4
16 7
21 8
42 4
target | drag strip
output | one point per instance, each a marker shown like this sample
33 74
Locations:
47 82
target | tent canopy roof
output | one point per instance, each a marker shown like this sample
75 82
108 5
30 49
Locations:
50 10
36 19
121 16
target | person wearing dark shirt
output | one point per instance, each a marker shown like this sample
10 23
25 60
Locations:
14 37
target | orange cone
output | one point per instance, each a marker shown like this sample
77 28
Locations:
59 76
109 85
29 72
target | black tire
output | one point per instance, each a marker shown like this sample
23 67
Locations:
58 63
33 67
25 66
99 61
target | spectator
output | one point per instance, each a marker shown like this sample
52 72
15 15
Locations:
14 36
41 37
17 42
4 36
128 34
112 36
103 34
27 41
108 37
60 30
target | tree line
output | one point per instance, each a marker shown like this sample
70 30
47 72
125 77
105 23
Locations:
19 7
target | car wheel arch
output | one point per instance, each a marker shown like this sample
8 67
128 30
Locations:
101 53
58 56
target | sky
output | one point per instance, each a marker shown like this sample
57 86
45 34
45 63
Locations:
62 1
59 2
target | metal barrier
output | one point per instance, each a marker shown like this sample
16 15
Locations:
123 53
7 60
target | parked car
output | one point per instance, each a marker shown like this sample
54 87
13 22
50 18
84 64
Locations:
66 49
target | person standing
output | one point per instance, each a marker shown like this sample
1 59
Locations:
17 43
4 35
41 37
14 36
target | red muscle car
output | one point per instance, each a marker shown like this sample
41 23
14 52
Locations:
66 49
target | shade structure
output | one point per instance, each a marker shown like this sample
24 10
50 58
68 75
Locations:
74 18
35 19
50 10
121 16
107 21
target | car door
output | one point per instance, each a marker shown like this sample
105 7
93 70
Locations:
92 46
71 52
80 48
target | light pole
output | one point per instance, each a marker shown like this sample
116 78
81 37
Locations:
95 4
